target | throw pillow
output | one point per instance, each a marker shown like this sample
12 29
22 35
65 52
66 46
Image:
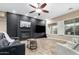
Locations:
1 35
4 43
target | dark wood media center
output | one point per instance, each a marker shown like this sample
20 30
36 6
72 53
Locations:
33 28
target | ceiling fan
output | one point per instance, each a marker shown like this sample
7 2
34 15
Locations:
39 9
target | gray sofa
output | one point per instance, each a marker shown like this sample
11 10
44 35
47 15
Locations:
10 46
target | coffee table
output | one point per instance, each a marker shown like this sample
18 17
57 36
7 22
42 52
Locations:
32 44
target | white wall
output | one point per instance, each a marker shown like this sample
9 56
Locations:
60 26
47 28
60 21
2 25
3 22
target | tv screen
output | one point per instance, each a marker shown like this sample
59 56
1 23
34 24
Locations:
40 29
25 24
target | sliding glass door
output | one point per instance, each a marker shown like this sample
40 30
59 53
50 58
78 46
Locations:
69 27
76 26
72 27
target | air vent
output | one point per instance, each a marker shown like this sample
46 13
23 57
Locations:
70 8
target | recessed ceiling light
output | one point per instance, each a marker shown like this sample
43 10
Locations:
26 14
35 16
13 11
46 19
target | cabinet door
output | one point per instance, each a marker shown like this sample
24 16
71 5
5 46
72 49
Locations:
33 21
12 23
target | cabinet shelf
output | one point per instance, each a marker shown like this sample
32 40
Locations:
25 30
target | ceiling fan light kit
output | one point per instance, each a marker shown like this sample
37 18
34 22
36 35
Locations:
39 9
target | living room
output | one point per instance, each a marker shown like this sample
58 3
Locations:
39 29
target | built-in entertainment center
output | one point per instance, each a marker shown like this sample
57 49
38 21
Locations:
24 26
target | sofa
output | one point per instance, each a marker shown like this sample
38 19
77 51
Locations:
10 46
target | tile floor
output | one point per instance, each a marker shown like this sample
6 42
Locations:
45 47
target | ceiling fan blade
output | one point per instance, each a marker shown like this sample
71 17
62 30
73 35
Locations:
43 5
32 6
31 11
46 11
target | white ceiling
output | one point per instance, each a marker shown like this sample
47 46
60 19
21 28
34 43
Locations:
55 9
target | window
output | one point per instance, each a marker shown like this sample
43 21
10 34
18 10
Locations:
72 27
77 26
53 28
69 27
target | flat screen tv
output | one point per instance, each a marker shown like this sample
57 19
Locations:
25 24
40 29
